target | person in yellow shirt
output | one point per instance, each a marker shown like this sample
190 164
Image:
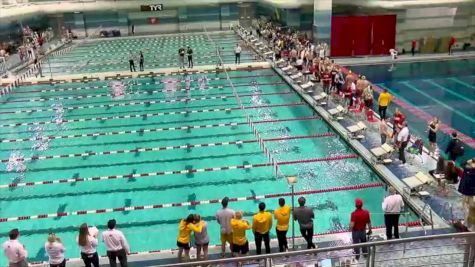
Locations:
239 227
282 216
261 225
383 103
185 228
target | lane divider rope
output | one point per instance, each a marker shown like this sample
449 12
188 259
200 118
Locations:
127 104
188 171
149 149
141 130
191 203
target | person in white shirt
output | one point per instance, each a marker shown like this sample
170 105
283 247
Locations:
15 251
55 250
116 245
392 205
402 141
224 216
237 52
87 241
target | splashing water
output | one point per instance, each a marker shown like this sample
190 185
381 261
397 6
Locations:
203 82
40 140
58 116
118 89
16 162
171 86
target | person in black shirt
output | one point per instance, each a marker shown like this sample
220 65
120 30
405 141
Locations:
455 148
181 57
189 52
141 61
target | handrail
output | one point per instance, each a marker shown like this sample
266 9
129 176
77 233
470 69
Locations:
469 235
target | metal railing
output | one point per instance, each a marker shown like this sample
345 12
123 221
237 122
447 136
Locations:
452 250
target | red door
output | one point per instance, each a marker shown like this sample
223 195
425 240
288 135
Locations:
341 38
360 35
383 34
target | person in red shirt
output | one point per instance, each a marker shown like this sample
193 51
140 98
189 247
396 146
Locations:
451 44
413 47
359 219
326 81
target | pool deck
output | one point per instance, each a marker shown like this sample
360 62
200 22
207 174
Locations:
406 58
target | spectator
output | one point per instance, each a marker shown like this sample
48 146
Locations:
360 218
305 216
239 226
224 216
282 216
326 81
55 250
185 228
402 139
261 225
451 44
201 239
14 250
88 245
455 148
383 102
393 205
116 245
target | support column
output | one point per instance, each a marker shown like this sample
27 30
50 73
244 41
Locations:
322 21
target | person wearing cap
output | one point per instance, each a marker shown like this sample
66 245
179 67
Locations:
261 225
360 218
224 216
55 250
392 205
304 215
14 250
116 245
282 216
239 227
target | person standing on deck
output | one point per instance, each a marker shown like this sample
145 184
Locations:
305 216
224 216
383 102
131 62
360 218
141 61
181 57
14 250
282 216
116 245
261 225
413 47
455 148
402 140
392 206
189 52
237 52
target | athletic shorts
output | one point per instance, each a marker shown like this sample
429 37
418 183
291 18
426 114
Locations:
227 238
183 245
242 249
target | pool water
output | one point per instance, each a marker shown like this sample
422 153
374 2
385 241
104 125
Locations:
162 127
159 52
445 89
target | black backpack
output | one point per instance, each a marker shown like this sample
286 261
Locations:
458 148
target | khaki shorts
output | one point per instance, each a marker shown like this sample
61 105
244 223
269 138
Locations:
227 238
